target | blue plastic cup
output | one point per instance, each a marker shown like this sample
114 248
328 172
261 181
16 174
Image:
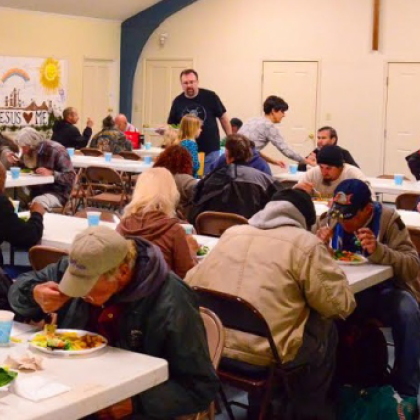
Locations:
148 160
70 151
293 168
188 228
93 218
15 171
398 179
6 323
108 157
16 205
148 145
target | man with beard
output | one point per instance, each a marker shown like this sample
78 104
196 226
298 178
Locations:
207 106
47 158
330 171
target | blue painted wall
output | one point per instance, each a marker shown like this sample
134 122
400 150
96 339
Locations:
135 32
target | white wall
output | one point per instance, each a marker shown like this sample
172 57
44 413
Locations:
34 34
229 40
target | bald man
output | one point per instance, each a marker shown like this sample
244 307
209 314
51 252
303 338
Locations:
14 230
66 133
123 125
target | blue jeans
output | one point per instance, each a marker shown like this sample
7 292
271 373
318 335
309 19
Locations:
209 159
399 310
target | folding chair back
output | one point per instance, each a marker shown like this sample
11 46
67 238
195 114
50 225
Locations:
212 223
88 151
407 201
40 256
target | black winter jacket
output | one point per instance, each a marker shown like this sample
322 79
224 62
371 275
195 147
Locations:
16 231
234 188
69 135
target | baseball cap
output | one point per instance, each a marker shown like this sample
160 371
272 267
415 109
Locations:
350 196
330 155
93 252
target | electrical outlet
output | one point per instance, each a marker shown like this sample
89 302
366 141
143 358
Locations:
328 116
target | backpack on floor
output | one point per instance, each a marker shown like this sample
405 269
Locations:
374 403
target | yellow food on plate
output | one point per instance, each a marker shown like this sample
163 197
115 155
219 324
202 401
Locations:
68 340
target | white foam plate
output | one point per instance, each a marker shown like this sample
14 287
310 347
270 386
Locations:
67 353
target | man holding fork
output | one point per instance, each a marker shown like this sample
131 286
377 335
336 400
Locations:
377 232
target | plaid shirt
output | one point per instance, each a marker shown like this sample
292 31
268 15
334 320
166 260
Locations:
53 156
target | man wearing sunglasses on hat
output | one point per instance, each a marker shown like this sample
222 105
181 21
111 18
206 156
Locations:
377 232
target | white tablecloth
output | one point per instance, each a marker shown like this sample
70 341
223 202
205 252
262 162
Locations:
380 186
26 180
124 165
96 382
153 151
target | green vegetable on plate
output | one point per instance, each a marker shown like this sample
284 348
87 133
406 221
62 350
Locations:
6 376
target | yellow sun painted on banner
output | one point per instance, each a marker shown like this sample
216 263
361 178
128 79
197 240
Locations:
50 74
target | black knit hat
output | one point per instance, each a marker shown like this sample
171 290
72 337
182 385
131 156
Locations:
330 155
301 200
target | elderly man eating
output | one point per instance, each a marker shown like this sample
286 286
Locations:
122 289
47 157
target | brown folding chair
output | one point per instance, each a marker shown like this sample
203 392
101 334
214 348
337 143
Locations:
105 187
40 256
407 201
237 314
216 341
415 238
213 223
89 151
130 155
106 215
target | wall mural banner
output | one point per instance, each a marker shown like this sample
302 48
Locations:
32 92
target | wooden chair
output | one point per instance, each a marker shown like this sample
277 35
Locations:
212 223
239 315
40 256
386 176
89 151
407 201
130 155
105 187
106 215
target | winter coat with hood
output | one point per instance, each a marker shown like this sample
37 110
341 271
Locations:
69 135
165 232
283 270
164 310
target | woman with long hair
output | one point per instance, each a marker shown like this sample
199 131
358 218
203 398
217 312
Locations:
178 162
151 215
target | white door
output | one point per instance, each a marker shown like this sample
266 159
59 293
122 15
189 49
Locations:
296 82
161 86
99 97
402 127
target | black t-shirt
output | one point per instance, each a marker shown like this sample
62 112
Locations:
208 107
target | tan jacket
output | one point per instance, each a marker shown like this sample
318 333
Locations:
396 249
284 271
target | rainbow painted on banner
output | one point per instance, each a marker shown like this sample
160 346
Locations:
15 72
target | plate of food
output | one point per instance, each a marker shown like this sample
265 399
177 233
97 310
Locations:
202 252
349 258
67 342
7 376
